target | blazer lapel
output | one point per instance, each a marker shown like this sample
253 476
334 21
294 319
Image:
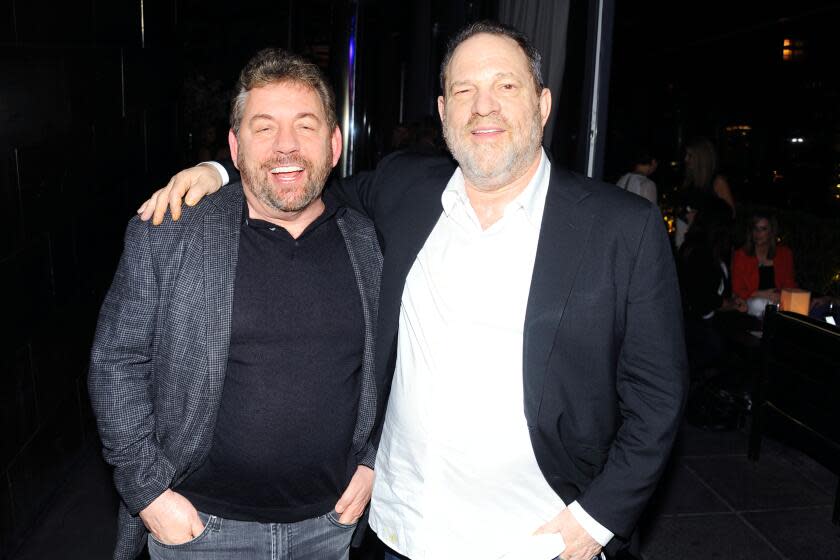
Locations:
221 249
562 244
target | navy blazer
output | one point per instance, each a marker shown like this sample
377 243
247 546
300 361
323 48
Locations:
159 356
604 369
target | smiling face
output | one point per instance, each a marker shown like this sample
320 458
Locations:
491 114
285 148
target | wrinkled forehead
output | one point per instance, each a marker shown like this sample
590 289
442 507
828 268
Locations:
285 95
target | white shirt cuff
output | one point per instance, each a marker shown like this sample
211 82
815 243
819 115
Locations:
601 534
220 168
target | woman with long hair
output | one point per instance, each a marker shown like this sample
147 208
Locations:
762 267
702 185
701 172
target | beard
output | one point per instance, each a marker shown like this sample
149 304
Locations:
256 178
494 164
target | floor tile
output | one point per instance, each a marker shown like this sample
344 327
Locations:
705 537
806 534
767 483
803 464
694 441
681 491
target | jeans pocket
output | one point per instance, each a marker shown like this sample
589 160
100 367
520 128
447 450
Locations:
333 517
208 520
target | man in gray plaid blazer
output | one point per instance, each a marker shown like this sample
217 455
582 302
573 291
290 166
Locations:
232 370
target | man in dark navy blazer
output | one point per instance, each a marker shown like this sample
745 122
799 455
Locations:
595 331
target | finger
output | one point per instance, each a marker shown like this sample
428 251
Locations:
142 207
196 527
162 202
176 195
349 517
345 500
174 206
193 195
148 207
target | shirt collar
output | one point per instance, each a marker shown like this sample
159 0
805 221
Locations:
331 208
531 200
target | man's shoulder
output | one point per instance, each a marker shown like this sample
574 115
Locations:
225 201
599 196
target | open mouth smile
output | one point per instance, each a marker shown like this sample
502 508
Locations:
286 173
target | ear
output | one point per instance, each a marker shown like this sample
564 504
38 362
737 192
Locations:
336 143
545 104
233 142
442 108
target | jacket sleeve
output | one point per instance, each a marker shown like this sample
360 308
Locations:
121 372
651 382
741 275
785 277
361 190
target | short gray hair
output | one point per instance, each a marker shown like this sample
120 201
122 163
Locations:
500 29
271 66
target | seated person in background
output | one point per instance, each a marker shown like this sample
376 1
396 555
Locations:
762 267
637 181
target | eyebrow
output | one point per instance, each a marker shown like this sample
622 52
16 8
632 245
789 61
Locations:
297 117
497 76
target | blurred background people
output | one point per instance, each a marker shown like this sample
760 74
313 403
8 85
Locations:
638 181
702 177
702 184
705 282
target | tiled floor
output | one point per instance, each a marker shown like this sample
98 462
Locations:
713 504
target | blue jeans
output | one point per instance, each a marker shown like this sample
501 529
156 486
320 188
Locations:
319 538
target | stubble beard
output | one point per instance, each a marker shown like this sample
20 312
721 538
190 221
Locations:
255 177
490 166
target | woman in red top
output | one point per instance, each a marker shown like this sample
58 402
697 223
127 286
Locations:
761 268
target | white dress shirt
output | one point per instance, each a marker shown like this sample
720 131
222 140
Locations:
456 476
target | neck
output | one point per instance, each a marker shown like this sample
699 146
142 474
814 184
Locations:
489 202
294 222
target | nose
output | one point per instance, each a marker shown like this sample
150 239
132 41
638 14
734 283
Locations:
286 140
485 102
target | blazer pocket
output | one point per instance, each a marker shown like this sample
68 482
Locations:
588 460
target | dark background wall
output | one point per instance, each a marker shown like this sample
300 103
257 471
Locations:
85 118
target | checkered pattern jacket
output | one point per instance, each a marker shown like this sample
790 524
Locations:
161 347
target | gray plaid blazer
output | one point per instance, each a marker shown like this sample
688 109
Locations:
159 356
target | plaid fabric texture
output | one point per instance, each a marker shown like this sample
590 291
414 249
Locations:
161 347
